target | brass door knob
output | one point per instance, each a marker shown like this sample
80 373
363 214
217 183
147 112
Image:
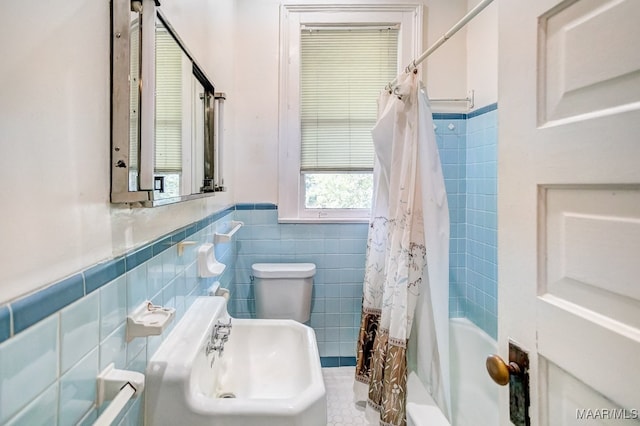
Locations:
500 370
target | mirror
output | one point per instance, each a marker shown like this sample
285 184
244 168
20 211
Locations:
171 113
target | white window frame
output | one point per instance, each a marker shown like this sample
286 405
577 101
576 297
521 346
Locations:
292 17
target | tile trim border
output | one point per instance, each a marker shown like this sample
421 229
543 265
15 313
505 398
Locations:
256 206
483 110
465 116
337 361
449 116
20 314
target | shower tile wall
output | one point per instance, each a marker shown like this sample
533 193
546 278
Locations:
481 244
467 145
451 132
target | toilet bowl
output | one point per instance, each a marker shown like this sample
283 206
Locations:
283 290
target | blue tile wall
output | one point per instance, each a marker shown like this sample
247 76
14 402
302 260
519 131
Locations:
5 323
28 366
338 250
31 309
481 242
467 144
57 340
450 130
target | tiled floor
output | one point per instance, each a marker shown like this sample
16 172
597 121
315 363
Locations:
341 410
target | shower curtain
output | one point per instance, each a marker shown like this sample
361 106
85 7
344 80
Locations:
407 260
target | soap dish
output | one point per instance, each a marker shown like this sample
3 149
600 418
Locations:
208 265
148 320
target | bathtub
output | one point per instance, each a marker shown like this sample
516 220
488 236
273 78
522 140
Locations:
474 397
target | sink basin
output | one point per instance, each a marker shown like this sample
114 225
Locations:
269 373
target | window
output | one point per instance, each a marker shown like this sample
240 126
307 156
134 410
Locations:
342 71
330 81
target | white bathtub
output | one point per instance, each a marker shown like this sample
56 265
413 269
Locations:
474 397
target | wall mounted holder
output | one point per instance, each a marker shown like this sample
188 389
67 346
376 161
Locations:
470 100
183 244
225 238
117 386
148 320
208 265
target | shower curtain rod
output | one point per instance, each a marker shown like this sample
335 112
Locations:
446 36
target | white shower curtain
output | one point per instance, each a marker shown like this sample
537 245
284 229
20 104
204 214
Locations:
407 260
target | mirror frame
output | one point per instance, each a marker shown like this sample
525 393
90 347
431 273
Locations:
121 115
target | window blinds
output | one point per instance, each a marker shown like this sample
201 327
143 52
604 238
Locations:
134 95
168 148
342 73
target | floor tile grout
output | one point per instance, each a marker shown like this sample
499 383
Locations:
341 408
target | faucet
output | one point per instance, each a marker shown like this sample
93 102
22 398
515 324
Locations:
219 336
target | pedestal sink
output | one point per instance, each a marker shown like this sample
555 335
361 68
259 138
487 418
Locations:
268 373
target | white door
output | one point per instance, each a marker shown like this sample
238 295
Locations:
569 205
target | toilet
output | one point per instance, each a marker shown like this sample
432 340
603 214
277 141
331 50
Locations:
283 290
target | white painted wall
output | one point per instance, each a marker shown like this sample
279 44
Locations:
256 85
445 71
56 217
482 54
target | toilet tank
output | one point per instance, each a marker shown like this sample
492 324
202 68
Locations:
283 290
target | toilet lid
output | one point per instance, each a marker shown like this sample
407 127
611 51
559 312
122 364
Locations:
283 270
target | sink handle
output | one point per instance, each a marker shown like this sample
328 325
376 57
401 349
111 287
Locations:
222 324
